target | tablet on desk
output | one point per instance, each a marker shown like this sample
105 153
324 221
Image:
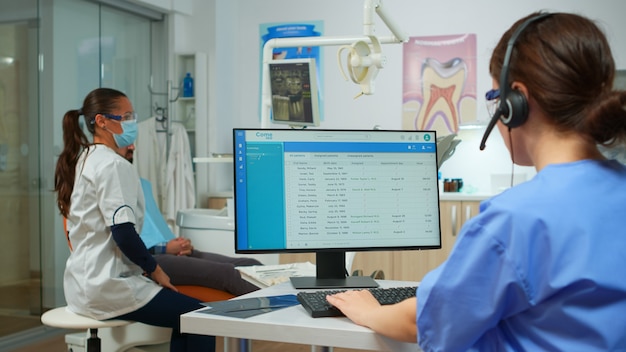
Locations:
248 307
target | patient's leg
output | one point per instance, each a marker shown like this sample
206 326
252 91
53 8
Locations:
208 270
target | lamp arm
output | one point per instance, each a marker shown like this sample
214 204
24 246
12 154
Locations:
393 27
369 7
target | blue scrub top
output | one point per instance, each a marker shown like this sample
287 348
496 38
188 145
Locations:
539 269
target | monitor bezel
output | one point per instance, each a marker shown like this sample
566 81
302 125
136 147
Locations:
313 91
331 272
338 249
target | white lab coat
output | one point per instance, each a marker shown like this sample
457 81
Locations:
99 280
171 174
151 155
180 185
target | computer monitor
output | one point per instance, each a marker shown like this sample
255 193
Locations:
293 84
332 191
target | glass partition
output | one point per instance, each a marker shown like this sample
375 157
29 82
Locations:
20 300
52 53
125 56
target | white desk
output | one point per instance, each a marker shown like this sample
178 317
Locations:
295 325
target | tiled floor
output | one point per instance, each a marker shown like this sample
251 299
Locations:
58 345
10 323
19 307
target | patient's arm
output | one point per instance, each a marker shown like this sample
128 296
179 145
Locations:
179 246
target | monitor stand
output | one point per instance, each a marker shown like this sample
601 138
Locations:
331 274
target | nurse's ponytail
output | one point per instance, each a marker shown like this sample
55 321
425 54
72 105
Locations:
98 101
74 140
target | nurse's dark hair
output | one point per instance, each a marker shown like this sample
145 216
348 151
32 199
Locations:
565 61
98 101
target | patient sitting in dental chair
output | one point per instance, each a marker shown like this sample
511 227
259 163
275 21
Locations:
177 257
184 264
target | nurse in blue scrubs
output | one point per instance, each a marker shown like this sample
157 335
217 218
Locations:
540 268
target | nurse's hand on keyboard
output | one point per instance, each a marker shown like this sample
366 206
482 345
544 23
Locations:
389 312
355 304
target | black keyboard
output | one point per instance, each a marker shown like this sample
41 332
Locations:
315 301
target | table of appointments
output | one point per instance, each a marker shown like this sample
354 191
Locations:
336 198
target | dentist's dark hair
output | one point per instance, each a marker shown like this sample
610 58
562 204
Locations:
98 101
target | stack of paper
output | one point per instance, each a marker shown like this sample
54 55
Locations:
269 275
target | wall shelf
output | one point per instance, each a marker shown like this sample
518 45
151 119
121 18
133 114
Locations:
200 160
193 113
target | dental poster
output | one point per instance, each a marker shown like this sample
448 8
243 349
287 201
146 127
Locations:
439 83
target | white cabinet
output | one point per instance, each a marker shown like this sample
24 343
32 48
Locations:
193 113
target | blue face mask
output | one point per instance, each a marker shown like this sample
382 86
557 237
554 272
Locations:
128 135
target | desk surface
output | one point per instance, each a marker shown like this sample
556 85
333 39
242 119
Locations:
295 325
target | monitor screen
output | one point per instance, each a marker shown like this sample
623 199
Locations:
332 191
293 84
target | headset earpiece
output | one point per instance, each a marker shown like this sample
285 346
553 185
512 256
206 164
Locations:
513 108
517 107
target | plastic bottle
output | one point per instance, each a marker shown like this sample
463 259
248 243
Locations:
188 86
454 185
459 182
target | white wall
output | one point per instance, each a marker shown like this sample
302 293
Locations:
228 30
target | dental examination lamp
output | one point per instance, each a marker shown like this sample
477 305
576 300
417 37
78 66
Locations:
363 63
365 56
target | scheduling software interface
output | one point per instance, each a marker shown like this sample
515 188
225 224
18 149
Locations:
310 190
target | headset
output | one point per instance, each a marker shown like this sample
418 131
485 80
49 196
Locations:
513 107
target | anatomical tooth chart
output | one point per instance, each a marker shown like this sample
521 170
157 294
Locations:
439 83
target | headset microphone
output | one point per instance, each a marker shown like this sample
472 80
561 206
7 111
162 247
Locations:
490 126
513 107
